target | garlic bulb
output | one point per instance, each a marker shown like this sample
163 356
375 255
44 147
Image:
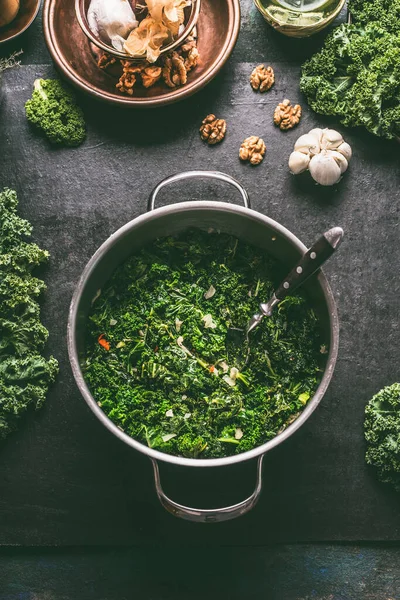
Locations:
112 21
324 153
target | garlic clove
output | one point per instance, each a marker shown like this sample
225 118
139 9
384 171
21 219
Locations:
317 133
346 150
324 169
331 139
340 160
307 144
298 162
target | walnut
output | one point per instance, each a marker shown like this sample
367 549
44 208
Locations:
192 59
126 83
174 71
262 78
189 52
174 68
253 149
150 76
187 46
190 41
167 72
106 60
213 130
130 71
131 67
287 116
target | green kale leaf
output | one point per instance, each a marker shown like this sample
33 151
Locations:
382 433
53 110
356 75
25 375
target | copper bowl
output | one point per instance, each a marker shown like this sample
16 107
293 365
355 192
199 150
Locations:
81 10
27 13
217 27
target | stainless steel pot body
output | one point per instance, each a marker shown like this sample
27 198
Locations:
247 225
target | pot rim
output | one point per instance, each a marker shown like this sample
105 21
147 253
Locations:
156 454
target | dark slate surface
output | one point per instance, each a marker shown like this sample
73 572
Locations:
65 480
286 573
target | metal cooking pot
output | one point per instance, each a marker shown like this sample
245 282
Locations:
243 223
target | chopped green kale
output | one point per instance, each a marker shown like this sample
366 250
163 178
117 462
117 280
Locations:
25 374
157 360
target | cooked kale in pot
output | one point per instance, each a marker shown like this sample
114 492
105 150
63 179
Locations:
157 361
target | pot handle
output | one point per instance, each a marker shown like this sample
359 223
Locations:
212 515
197 175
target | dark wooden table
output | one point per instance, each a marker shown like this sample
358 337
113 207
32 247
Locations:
66 482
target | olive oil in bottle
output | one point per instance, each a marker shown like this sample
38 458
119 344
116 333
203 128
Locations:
299 18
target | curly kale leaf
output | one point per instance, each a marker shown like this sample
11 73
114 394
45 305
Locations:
382 433
54 110
12 226
384 12
356 77
25 375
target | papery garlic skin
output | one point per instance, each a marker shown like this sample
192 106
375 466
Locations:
111 20
324 169
147 39
171 10
298 162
